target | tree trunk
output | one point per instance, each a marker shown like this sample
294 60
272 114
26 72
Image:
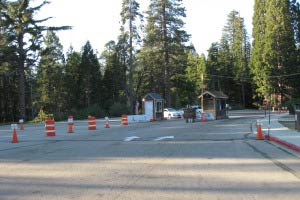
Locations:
130 68
243 95
21 73
166 59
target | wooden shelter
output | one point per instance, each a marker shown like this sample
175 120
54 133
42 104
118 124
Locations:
153 106
214 102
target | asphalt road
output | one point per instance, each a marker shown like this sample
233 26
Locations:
162 160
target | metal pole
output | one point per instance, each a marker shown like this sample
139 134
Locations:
269 121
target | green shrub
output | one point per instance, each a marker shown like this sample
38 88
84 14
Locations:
117 109
93 110
41 116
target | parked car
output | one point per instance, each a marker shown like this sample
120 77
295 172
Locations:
181 111
170 113
197 108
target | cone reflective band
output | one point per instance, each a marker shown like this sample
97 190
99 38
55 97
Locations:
70 120
50 127
106 122
13 126
91 123
124 120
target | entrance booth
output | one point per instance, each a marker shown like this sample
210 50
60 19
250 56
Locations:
153 106
214 102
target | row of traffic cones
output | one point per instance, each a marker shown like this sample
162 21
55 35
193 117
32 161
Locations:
50 127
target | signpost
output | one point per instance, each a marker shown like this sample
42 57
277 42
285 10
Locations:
265 104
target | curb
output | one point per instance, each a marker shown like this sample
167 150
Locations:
284 143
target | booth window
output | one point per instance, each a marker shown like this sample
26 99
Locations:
158 106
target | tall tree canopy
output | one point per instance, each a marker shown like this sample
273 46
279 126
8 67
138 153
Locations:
273 58
228 62
164 44
50 75
25 35
130 17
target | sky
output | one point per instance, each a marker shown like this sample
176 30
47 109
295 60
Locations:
99 21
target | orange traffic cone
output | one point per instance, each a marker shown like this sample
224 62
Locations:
259 135
70 124
124 120
203 118
106 122
70 128
15 137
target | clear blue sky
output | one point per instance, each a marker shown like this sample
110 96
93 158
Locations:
98 21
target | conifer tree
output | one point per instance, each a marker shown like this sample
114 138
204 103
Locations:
257 61
239 53
273 48
165 43
73 79
92 86
26 33
130 17
50 75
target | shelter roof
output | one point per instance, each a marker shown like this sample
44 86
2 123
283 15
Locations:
215 94
153 96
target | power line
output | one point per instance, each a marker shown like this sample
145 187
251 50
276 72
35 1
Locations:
247 78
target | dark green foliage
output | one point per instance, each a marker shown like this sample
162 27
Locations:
117 109
93 110
274 56
130 39
24 35
50 76
193 81
114 79
73 79
91 86
228 63
163 53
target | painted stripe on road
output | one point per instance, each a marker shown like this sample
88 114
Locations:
163 138
128 139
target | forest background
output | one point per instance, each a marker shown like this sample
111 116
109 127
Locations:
153 53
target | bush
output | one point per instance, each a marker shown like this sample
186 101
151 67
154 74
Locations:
41 116
93 110
117 109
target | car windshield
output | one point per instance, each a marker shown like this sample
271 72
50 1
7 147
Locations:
171 110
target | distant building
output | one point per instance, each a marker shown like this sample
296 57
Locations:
214 102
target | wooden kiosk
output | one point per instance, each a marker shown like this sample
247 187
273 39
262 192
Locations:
214 102
153 106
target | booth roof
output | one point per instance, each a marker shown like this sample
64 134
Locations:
153 96
215 94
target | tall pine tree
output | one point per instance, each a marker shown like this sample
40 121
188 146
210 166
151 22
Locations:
165 43
130 17
50 75
273 49
26 33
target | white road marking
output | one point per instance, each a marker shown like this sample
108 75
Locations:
130 138
163 138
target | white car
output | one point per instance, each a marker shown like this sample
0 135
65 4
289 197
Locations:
181 111
198 108
170 113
